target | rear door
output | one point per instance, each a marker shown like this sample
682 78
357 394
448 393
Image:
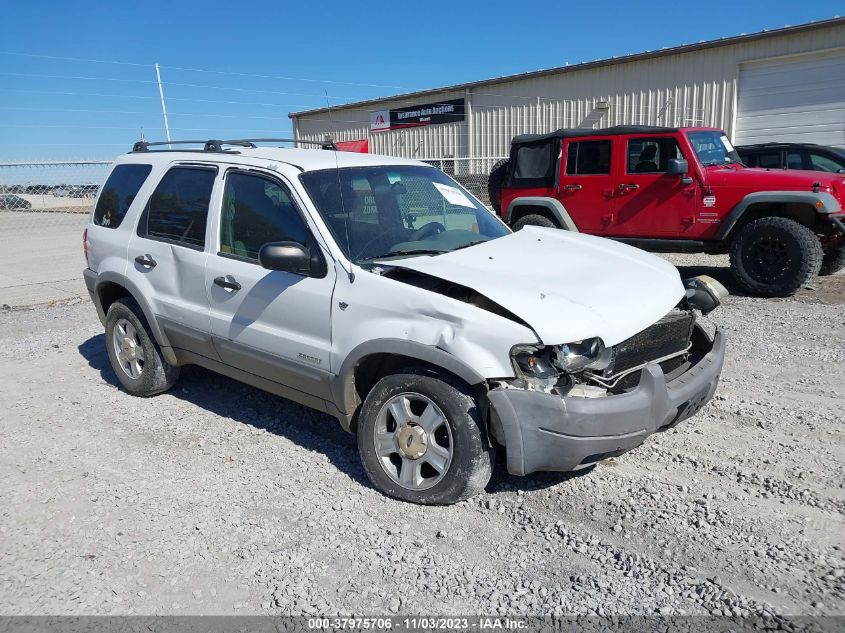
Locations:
651 202
167 255
273 324
586 183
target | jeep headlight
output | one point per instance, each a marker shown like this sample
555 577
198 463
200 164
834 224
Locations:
545 362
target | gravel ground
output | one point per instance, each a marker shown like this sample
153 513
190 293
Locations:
216 498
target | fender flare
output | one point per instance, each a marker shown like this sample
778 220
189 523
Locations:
343 384
828 202
132 289
551 204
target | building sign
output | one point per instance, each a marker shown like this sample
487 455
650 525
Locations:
417 115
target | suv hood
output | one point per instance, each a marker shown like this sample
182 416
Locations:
797 179
566 286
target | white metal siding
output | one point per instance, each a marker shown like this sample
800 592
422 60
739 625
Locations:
695 87
797 99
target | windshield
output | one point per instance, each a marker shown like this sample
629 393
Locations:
386 211
713 148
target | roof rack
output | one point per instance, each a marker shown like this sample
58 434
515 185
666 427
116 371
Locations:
214 145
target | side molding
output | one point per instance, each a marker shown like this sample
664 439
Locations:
829 205
551 204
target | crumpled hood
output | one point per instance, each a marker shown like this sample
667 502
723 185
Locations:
567 286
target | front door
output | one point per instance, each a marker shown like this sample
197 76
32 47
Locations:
649 201
272 324
167 255
586 184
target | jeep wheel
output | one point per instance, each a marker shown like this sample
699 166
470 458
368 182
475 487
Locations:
833 261
135 356
494 184
421 440
774 256
533 220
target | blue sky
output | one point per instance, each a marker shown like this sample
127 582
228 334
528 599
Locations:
53 108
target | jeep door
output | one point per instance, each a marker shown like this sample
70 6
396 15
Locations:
166 262
272 324
650 201
586 183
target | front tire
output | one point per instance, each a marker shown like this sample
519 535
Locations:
135 356
534 219
421 439
833 261
775 257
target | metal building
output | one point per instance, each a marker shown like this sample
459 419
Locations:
786 84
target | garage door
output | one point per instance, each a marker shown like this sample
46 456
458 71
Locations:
794 100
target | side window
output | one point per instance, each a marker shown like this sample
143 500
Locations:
120 190
819 162
768 160
588 157
178 209
534 164
651 155
795 160
257 211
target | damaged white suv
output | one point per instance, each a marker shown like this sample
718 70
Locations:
380 291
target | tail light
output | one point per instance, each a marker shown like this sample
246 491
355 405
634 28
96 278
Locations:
85 247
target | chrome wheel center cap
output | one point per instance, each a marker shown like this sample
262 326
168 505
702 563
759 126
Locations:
413 441
128 347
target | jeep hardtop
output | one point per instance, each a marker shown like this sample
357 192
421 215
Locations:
677 189
381 292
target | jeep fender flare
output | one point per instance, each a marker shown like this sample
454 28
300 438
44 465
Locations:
551 204
343 385
132 289
829 205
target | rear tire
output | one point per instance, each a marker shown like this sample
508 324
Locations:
494 184
135 356
421 439
775 257
534 219
833 261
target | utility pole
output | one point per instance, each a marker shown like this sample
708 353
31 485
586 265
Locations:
163 107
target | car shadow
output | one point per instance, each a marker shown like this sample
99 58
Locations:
307 428
722 274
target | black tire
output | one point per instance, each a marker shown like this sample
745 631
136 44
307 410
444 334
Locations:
775 257
472 454
534 219
156 374
833 261
494 183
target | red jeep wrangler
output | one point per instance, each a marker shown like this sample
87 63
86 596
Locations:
677 190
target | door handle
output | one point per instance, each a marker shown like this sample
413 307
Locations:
232 285
146 261
630 185
572 187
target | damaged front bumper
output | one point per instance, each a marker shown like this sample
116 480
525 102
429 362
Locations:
543 431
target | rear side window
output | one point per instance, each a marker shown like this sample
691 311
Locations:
588 157
120 190
534 164
770 160
257 211
178 209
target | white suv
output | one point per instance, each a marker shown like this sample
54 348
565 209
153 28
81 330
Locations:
380 291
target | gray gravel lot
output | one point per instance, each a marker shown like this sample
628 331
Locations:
216 498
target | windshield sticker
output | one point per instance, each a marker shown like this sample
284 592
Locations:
709 201
726 143
453 195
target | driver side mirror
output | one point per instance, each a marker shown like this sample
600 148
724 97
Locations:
677 166
292 257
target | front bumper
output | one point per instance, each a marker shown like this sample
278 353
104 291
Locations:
548 432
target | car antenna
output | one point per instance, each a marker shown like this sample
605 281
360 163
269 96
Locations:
349 272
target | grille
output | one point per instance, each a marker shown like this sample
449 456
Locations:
669 335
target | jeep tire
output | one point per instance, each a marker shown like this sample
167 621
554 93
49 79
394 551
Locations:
494 184
421 439
775 256
833 261
135 356
533 219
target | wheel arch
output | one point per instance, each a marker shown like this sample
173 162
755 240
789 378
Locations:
549 207
367 363
804 207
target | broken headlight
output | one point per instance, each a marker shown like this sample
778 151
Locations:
534 361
